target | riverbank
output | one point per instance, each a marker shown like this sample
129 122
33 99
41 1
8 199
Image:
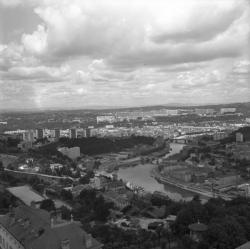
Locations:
195 190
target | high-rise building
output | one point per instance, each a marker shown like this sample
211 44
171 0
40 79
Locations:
88 132
28 136
57 133
80 133
73 133
39 133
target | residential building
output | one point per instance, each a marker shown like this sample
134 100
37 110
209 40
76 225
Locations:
57 133
204 111
227 110
89 132
105 119
29 136
80 133
39 133
30 228
73 133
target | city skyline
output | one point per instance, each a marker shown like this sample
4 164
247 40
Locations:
74 54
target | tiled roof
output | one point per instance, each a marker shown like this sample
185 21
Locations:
32 227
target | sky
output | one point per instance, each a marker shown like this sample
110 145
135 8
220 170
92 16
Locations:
64 54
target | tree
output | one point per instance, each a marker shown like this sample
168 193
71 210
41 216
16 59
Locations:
1 166
86 179
66 213
66 195
48 205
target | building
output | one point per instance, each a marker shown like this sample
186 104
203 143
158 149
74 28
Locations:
80 133
55 166
105 119
73 152
240 150
30 228
28 136
57 133
227 110
219 135
26 195
89 132
239 137
39 133
204 112
73 133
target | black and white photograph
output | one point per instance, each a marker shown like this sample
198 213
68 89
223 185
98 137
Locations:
124 124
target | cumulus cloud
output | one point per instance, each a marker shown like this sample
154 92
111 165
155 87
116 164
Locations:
36 43
123 52
206 22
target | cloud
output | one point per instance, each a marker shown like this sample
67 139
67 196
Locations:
129 52
39 74
10 3
205 23
36 43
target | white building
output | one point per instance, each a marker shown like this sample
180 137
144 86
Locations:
227 110
107 118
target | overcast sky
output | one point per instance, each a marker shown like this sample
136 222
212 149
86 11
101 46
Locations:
80 53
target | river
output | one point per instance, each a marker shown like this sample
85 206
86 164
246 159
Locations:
141 175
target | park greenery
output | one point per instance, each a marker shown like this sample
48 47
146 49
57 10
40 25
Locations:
94 145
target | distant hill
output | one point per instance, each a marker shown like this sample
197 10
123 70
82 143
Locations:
241 107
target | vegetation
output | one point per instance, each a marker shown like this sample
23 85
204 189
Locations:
48 205
94 145
244 130
228 223
91 207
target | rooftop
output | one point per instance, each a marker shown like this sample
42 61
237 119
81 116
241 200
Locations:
33 229
26 194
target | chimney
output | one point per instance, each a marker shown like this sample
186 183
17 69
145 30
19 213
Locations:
87 240
65 244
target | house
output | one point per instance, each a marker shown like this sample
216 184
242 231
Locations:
30 228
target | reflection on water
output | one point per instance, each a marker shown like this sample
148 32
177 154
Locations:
140 175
